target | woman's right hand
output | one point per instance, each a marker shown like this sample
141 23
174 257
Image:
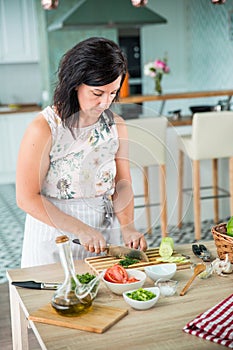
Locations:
92 240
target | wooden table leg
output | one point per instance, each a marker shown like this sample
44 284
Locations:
215 189
231 184
147 199
19 322
180 188
196 199
163 199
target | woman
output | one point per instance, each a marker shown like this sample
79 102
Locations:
73 164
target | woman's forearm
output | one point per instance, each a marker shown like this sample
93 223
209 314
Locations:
123 204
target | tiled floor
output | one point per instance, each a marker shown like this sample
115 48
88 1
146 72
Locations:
11 230
12 227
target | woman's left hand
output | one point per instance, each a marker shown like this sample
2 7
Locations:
134 239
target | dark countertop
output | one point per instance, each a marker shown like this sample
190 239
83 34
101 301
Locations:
24 108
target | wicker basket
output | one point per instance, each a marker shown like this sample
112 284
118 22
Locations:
223 242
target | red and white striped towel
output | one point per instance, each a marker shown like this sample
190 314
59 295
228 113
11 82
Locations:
216 324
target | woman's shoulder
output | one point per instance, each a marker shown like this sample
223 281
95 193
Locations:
51 116
118 120
121 126
39 125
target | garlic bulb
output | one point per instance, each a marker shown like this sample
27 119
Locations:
222 267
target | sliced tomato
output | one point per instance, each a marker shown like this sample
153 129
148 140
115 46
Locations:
132 279
116 274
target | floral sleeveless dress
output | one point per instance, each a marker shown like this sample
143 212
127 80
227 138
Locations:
80 181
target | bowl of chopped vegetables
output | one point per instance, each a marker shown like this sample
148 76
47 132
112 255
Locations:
119 280
142 298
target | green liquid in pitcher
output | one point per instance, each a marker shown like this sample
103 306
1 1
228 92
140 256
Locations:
71 306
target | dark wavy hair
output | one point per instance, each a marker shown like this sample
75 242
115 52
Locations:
94 61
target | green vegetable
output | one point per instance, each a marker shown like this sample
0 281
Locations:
141 295
84 279
230 227
166 247
127 261
174 259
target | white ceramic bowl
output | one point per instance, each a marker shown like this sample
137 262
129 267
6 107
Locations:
119 288
142 305
156 272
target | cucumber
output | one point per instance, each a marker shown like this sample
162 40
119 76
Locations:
166 247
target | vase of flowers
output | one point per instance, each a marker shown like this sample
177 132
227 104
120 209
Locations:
156 69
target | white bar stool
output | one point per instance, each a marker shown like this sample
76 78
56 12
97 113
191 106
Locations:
147 147
211 139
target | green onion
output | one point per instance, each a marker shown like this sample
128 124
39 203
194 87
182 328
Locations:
84 279
141 295
128 261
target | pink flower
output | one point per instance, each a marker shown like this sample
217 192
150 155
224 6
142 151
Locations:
158 66
161 65
166 69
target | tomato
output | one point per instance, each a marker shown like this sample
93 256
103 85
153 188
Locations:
132 279
116 274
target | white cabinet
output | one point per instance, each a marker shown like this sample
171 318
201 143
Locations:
12 128
18 31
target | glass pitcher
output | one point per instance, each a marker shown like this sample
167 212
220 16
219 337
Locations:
72 297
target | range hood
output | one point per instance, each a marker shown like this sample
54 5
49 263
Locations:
106 14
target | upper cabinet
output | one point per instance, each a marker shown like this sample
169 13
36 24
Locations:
18 32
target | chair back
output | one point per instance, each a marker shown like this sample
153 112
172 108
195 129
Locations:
212 135
147 141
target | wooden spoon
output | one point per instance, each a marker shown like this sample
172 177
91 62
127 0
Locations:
197 270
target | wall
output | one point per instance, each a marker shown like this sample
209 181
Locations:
209 45
20 80
12 129
196 40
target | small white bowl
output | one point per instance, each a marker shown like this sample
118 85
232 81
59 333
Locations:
167 287
119 288
142 305
156 272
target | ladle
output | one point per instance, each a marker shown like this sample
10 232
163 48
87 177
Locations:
197 270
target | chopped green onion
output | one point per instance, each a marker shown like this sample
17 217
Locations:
141 295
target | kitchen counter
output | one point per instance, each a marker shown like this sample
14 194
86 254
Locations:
22 108
175 96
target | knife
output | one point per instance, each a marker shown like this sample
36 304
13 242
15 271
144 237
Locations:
36 285
122 252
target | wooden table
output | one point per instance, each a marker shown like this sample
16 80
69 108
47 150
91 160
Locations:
157 328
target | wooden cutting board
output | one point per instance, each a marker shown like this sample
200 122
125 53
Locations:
100 263
98 319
